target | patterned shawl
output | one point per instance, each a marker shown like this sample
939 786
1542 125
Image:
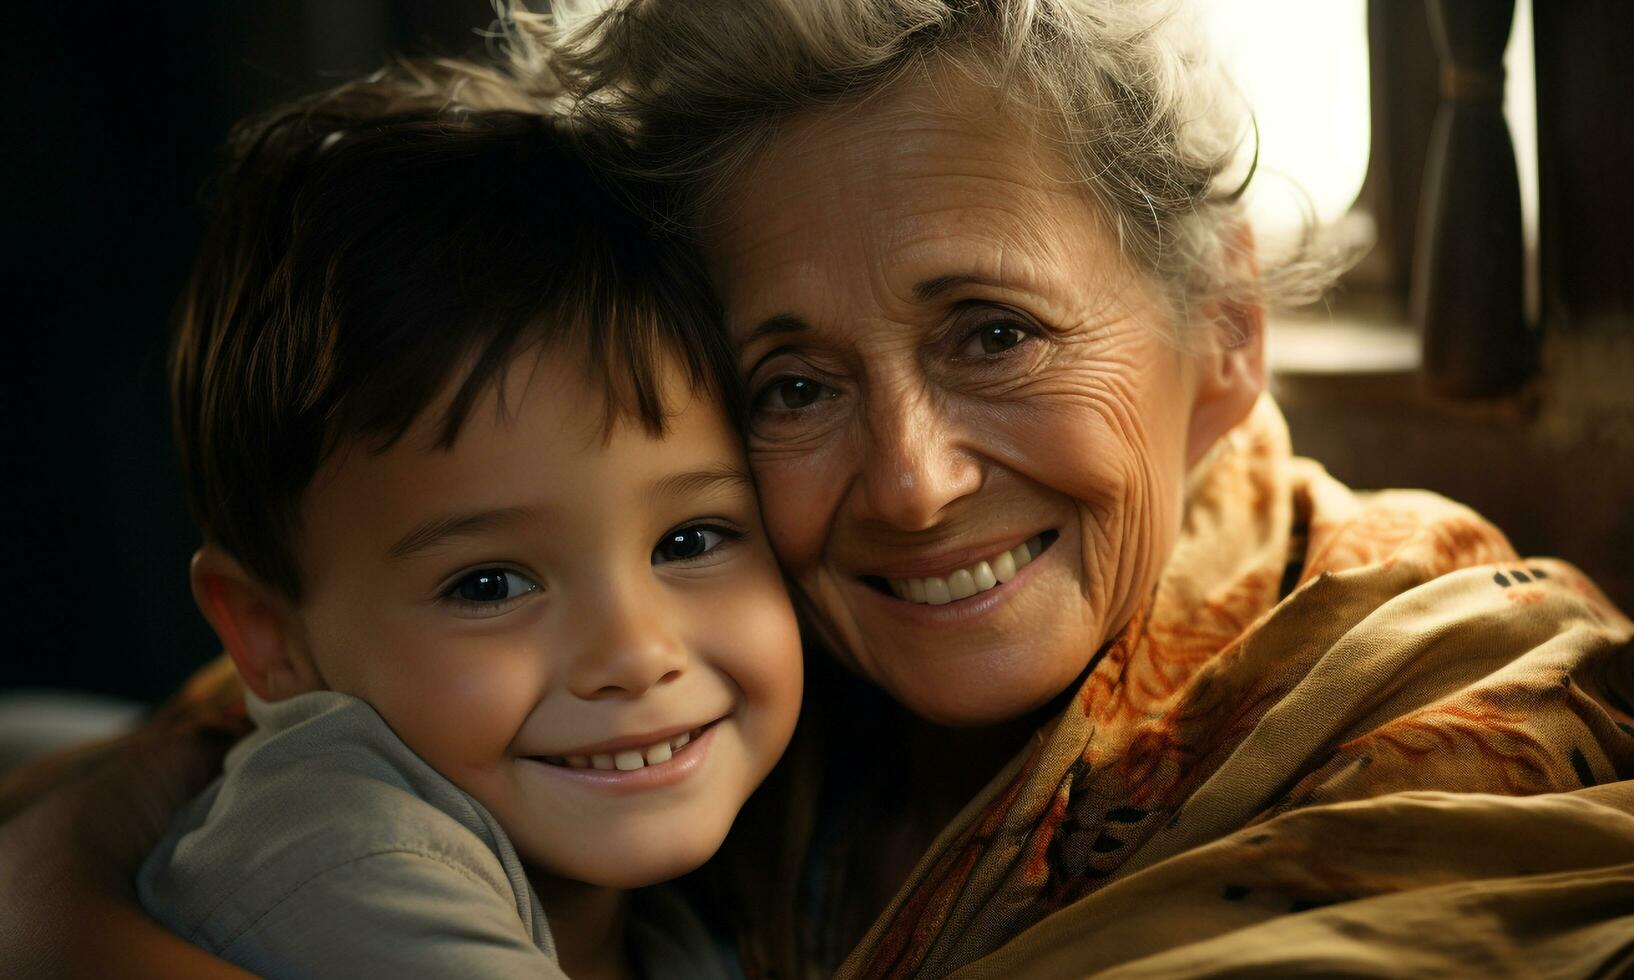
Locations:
1350 734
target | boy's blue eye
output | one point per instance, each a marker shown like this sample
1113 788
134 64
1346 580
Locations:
490 585
689 543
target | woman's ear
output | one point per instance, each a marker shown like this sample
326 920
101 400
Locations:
1231 371
259 627
1230 376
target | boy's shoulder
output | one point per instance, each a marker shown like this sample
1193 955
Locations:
323 803
326 766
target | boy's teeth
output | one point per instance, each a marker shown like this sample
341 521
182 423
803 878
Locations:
966 582
630 759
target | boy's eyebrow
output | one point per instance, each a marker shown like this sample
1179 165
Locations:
723 477
439 529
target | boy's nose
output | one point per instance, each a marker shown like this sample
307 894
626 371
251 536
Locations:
633 652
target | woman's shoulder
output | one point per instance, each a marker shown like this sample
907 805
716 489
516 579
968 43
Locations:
1346 528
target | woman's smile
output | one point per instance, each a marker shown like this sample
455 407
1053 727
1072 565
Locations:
960 600
957 580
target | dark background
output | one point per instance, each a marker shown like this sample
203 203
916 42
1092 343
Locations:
114 112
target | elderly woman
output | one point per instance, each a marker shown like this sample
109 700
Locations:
1000 324
1157 697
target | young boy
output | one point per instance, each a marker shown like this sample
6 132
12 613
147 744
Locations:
479 537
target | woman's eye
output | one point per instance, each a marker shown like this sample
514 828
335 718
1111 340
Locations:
690 543
487 586
792 394
995 338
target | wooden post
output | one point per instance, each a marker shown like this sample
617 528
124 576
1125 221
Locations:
1404 94
1467 293
1585 165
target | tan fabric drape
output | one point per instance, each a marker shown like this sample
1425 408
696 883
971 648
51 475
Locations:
1409 766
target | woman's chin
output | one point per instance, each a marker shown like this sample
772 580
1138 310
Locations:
989 667
963 695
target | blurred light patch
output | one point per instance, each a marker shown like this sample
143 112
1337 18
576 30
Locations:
1521 111
1302 67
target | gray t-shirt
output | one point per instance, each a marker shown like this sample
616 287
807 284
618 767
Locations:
327 848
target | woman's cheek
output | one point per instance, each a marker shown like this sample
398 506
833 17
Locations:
1102 453
799 494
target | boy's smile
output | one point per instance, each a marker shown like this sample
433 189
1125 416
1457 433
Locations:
582 627
662 763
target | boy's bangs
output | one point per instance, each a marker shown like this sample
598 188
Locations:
647 347
357 269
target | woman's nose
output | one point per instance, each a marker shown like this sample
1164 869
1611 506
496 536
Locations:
632 648
913 464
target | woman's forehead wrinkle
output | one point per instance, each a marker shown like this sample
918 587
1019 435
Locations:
962 202
767 259
924 192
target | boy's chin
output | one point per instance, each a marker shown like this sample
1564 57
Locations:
626 861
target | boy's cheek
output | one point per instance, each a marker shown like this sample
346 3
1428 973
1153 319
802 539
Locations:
456 702
753 631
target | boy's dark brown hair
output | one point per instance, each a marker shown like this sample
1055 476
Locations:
376 246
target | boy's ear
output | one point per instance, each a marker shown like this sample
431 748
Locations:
257 625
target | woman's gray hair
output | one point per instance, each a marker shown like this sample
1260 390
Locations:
1148 118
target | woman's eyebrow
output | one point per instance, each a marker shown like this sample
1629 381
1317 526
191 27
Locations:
427 535
929 289
773 325
724 478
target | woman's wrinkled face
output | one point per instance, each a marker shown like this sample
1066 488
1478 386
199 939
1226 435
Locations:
969 435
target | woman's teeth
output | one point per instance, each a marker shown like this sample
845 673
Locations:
630 759
966 582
